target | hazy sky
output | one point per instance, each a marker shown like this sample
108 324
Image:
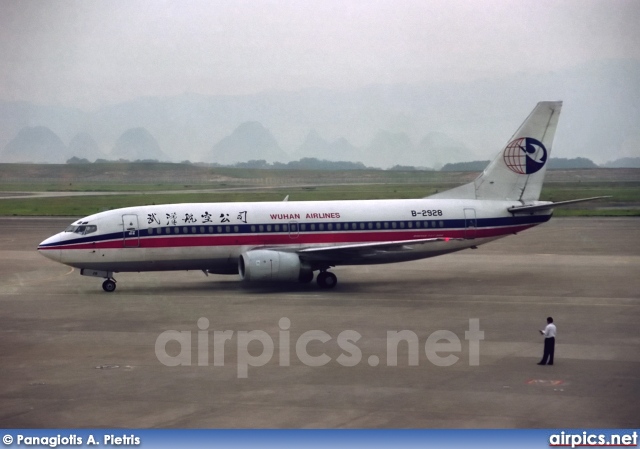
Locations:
87 53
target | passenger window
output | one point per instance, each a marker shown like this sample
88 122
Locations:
201 229
277 228
386 225
410 224
236 229
338 226
227 229
330 226
303 227
402 225
261 228
361 225
210 229
378 225
313 227
253 228
176 230
268 228
185 230
285 227
194 230
321 226
442 224
394 225
426 224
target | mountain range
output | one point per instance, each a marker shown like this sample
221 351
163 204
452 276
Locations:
424 125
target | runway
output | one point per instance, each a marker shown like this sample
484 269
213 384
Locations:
75 356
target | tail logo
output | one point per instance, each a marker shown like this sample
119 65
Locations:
525 155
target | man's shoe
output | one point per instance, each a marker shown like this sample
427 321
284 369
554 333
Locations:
541 363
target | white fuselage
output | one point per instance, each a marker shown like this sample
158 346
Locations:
211 236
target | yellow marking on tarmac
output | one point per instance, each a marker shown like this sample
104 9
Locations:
53 278
21 283
545 382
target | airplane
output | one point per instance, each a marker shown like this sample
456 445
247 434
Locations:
291 240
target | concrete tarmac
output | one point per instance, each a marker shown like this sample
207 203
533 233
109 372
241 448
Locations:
74 356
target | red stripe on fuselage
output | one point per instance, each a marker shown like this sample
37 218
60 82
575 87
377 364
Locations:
182 240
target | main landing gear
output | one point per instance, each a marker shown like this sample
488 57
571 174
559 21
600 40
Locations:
326 279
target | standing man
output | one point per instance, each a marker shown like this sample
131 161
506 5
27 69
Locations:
549 333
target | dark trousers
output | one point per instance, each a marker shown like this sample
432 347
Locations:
549 349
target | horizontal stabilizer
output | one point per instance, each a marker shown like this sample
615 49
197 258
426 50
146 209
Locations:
550 205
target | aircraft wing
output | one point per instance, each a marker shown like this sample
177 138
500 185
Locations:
364 250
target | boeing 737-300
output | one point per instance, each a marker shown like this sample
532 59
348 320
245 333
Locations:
290 240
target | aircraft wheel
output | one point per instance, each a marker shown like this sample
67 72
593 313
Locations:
109 285
327 279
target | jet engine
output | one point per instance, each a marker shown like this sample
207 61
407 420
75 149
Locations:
269 265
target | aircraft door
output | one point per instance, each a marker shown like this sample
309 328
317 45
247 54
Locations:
294 230
470 223
131 231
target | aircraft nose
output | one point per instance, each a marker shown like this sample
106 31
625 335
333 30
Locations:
48 248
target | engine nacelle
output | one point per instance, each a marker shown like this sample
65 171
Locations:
269 265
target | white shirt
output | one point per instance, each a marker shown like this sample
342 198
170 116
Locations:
550 331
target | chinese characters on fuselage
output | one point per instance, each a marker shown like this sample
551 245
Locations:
192 218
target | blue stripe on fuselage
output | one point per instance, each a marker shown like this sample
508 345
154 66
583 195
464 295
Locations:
345 226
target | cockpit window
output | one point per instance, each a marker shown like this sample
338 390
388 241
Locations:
82 229
88 229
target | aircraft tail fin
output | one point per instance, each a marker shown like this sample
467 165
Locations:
517 172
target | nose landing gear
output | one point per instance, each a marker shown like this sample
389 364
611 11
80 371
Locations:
109 285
